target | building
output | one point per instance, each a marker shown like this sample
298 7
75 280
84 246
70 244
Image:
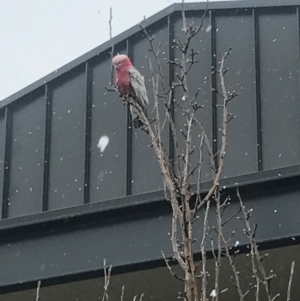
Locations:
66 206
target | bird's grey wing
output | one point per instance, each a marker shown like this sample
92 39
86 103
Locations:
138 84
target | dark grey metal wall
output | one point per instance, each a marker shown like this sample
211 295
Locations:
49 132
146 174
108 118
242 154
67 140
131 232
278 39
25 193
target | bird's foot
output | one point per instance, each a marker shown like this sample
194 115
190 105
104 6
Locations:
111 89
145 130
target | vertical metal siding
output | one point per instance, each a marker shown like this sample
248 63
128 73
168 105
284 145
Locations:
109 115
235 30
146 174
67 155
279 73
2 156
27 150
7 160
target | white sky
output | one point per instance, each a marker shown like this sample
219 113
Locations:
39 36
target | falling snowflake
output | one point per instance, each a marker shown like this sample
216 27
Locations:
208 28
103 142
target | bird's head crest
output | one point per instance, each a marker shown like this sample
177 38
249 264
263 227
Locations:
119 58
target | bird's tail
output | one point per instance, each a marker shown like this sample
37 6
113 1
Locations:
135 118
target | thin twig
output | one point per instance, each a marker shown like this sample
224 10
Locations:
38 290
219 239
198 196
107 273
231 217
141 297
203 253
112 45
234 270
288 298
266 280
123 293
170 269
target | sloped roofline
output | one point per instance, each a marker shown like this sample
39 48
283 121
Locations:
136 28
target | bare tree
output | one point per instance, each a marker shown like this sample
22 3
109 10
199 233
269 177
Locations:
186 202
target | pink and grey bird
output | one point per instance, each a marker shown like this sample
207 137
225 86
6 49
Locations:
130 83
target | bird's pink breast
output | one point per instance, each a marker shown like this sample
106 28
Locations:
123 81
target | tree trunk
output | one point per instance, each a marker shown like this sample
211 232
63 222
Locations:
191 285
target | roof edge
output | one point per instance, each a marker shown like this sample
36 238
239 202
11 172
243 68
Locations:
85 57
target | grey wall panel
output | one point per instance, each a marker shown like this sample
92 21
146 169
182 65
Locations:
2 156
109 118
137 238
153 282
66 182
279 73
198 77
236 31
146 174
27 156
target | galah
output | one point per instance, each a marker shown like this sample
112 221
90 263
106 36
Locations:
131 84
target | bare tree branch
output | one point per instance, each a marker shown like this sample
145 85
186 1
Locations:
107 273
177 173
38 290
123 293
203 252
112 46
257 260
288 298
224 135
170 269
